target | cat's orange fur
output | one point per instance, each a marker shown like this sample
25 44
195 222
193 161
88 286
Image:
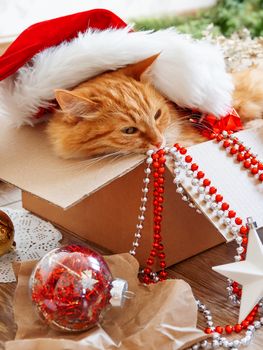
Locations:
99 116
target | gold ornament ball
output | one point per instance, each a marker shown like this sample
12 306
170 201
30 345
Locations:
6 233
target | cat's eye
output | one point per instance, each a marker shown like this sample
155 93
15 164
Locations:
130 130
157 114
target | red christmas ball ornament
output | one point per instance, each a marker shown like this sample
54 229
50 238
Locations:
72 287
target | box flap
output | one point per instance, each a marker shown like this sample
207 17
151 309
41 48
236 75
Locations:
240 189
27 161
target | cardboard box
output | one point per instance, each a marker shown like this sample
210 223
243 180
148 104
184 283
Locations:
100 200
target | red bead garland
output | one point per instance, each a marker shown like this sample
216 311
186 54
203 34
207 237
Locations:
158 199
243 231
228 329
251 163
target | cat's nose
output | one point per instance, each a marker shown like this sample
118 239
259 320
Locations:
160 144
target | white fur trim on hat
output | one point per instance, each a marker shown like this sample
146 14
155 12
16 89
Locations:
190 73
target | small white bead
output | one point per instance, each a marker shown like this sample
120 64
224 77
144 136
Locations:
149 160
137 235
207 197
245 341
225 343
189 173
215 344
239 239
257 324
248 334
135 244
204 344
213 206
232 297
224 133
144 199
202 307
196 347
179 190
150 152
143 208
145 190
201 189
173 149
234 229
237 258
251 328
147 171
146 180
177 180
139 226
227 221
185 198
132 252
194 182
177 171
141 217
240 250
216 335
219 213
236 343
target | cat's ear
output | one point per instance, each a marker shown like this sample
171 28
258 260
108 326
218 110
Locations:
137 69
75 105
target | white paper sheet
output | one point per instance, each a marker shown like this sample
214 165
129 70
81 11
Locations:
239 188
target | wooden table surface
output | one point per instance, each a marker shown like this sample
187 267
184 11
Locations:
206 284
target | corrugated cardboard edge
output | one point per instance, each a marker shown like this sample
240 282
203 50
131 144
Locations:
27 162
105 184
86 195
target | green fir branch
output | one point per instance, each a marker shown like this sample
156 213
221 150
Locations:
228 16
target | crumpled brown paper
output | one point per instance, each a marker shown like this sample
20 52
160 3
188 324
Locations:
161 316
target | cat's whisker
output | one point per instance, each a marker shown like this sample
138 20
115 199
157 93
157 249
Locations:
111 157
84 164
98 159
192 122
203 126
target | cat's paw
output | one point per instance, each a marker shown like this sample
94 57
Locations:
248 94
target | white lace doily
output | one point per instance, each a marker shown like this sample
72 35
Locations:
34 238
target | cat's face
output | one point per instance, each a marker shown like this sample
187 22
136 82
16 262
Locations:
115 112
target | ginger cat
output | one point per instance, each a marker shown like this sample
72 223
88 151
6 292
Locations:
120 113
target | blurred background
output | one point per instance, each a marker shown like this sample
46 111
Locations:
191 16
16 15
235 25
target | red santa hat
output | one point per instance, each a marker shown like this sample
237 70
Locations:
63 52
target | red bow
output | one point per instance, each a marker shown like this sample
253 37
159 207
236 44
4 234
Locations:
212 125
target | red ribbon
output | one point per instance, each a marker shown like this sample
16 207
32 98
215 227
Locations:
212 125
